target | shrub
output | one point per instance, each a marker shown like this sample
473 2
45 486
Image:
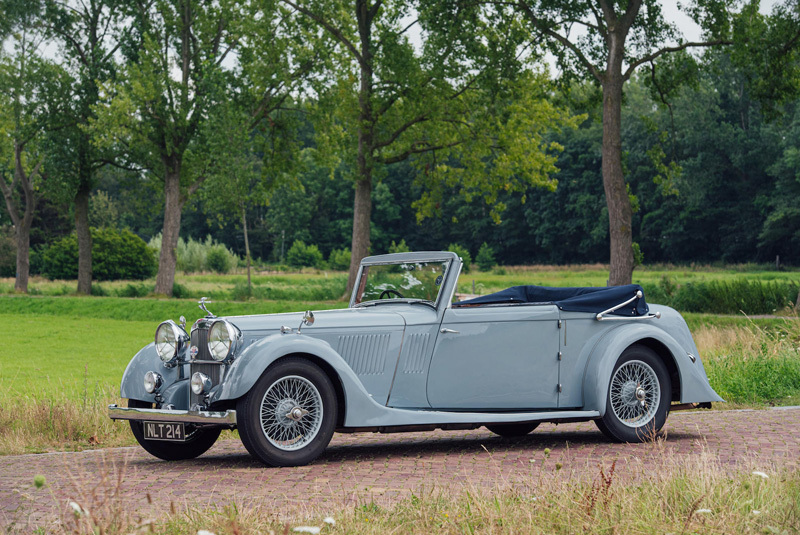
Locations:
219 259
399 247
192 255
134 290
466 258
485 258
121 254
302 255
723 297
116 254
339 259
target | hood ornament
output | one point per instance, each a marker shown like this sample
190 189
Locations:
202 303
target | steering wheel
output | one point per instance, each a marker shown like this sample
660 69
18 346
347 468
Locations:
390 292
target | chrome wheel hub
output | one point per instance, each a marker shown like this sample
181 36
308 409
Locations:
291 413
635 393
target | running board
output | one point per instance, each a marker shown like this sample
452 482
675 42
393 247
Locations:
422 420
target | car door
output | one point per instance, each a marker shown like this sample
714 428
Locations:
496 357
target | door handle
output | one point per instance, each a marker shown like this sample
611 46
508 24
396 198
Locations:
448 331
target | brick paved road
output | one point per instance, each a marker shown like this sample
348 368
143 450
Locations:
384 468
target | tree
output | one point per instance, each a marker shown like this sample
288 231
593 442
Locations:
32 95
155 117
391 101
90 34
616 39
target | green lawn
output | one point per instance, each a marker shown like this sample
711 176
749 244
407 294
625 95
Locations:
69 356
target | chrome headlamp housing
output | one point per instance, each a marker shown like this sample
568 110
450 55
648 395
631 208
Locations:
224 340
171 340
152 382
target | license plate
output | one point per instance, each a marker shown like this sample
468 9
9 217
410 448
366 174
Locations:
169 431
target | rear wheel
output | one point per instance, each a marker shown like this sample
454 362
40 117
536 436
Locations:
512 430
288 417
638 398
198 439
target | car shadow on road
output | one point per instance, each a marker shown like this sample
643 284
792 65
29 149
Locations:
352 448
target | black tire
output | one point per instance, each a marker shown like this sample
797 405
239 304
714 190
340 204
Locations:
512 430
643 422
291 442
198 440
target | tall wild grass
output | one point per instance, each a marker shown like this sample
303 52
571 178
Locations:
661 492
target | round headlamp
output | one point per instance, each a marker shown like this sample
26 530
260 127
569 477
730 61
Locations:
200 383
223 340
152 381
170 340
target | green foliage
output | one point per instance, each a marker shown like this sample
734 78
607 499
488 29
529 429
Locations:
401 247
219 259
724 296
485 258
103 211
339 259
116 255
638 255
463 252
206 255
8 255
302 255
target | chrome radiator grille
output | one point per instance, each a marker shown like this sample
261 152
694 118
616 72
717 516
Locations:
199 339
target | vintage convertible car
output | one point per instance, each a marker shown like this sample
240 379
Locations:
405 357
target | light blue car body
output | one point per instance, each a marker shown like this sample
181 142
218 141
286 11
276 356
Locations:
396 364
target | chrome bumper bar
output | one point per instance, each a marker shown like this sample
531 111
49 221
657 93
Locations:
227 418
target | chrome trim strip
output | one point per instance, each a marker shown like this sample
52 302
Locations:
657 315
165 415
637 295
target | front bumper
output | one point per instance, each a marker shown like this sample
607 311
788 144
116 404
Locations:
226 418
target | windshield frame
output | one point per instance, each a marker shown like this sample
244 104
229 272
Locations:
407 258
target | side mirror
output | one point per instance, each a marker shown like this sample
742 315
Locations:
308 319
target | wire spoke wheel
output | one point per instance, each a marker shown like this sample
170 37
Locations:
291 413
635 393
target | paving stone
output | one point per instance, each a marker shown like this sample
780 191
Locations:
384 468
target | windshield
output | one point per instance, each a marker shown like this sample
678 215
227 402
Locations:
402 281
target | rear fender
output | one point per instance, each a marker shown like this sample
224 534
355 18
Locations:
694 387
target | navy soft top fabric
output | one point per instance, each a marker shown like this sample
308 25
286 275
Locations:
590 299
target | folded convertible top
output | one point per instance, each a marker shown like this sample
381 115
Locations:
590 299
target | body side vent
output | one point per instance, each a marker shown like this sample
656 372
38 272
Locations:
365 353
415 353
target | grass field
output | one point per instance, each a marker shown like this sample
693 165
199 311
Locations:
66 356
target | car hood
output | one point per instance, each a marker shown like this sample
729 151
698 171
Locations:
324 319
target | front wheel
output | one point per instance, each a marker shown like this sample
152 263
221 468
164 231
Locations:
198 440
288 417
638 398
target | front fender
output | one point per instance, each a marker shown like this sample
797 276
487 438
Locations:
694 386
251 364
132 386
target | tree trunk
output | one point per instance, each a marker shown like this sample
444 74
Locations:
362 212
246 249
23 238
22 224
84 239
173 204
619 204
362 206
